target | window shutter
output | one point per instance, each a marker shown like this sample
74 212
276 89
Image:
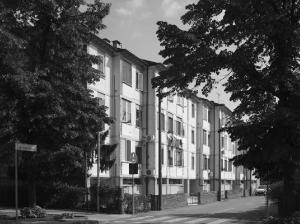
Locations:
128 148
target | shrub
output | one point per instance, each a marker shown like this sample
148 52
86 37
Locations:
66 196
142 203
33 212
272 220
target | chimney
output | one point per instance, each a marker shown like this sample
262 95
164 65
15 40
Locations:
116 44
106 40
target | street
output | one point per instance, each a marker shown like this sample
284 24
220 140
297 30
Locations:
241 210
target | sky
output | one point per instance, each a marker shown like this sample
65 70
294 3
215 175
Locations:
133 23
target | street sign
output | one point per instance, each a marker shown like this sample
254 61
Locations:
25 147
20 147
133 157
133 168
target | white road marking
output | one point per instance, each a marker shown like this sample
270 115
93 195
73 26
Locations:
175 220
218 221
158 219
197 220
227 209
139 218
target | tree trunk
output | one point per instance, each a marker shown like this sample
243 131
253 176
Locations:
287 199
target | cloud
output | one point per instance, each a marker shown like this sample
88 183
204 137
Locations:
171 8
136 3
124 11
130 7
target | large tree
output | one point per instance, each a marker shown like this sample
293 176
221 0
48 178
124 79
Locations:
256 43
44 73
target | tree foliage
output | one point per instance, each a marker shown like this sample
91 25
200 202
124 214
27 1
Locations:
257 44
44 73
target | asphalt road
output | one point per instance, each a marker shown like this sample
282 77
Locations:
240 211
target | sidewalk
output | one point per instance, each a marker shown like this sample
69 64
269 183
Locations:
78 216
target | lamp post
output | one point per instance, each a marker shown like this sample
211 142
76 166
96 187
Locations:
98 172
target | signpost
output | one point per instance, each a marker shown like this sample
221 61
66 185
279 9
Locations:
133 170
20 147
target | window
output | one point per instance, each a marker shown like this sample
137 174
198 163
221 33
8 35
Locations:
175 181
180 101
193 161
171 98
170 123
170 156
230 166
101 99
179 126
205 162
138 151
126 146
204 137
162 121
139 81
209 115
209 139
127 74
162 155
225 142
193 110
205 113
222 142
226 165
223 164
178 157
126 111
193 137
138 115
101 66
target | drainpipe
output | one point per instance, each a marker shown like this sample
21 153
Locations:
147 117
159 152
220 169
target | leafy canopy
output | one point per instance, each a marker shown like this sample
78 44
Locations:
257 43
44 72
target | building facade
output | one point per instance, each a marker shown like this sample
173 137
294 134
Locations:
195 154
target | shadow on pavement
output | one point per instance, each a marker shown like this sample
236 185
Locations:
254 215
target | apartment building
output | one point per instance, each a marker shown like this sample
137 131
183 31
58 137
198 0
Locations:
194 153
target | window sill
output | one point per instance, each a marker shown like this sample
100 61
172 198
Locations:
127 84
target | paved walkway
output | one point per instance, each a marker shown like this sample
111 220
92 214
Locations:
83 215
242 210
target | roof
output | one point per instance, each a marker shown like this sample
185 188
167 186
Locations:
132 57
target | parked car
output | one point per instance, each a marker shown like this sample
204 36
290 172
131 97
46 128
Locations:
261 190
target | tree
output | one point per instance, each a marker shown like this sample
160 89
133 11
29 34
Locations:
257 44
44 72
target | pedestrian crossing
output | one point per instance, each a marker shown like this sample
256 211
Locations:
174 219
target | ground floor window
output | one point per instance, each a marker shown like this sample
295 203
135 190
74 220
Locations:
175 181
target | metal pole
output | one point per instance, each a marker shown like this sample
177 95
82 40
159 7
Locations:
98 173
16 182
220 168
132 194
159 153
267 195
244 180
250 187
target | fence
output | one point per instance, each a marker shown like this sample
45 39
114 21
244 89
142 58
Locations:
169 201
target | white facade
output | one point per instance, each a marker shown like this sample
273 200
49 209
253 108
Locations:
189 136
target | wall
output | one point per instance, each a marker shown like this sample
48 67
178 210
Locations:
207 197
